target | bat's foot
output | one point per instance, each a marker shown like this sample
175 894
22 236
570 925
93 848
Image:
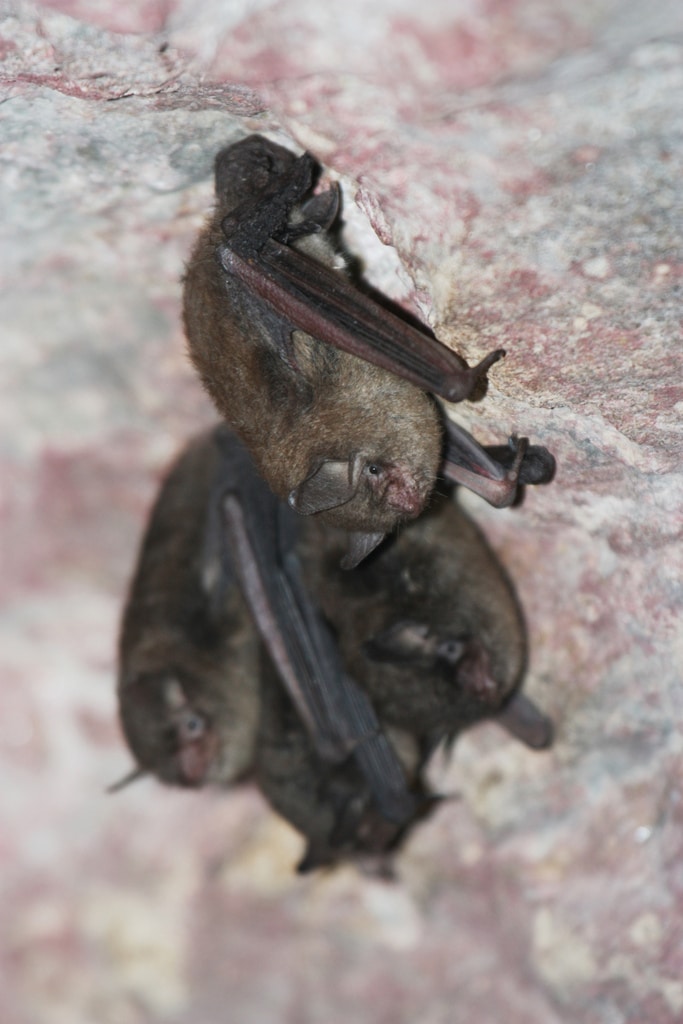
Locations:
503 491
536 466
519 446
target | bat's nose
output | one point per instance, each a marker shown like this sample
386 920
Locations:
409 504
406 496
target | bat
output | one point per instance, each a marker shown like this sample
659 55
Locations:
327 388
188 653
201 699
217 578
330 805
432 626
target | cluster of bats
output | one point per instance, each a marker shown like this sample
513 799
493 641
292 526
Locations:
279 626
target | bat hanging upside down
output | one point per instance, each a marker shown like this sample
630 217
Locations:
431 625
217 578
428 627
329 390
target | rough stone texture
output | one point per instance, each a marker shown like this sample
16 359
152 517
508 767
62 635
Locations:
522 162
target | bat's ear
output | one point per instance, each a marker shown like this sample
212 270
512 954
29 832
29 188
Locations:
360 546
398 642
410 640
330 485
321 210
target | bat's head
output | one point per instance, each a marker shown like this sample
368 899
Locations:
366 495
373 450
178 730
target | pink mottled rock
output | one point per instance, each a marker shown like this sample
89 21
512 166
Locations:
521 163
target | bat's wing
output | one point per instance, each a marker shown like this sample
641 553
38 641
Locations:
336 713
322 302
325 304
494 473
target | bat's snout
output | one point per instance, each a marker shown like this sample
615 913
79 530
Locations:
405 493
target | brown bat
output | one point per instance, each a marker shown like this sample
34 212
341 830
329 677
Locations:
325 386
330 805
431 625
216 579
201 703
186 630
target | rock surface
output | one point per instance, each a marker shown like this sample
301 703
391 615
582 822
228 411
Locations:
521 164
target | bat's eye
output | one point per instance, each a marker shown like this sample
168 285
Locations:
191 726
374 469
451 651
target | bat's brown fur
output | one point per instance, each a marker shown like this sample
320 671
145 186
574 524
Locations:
187 633
184 632
441 588
299 408
330 805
